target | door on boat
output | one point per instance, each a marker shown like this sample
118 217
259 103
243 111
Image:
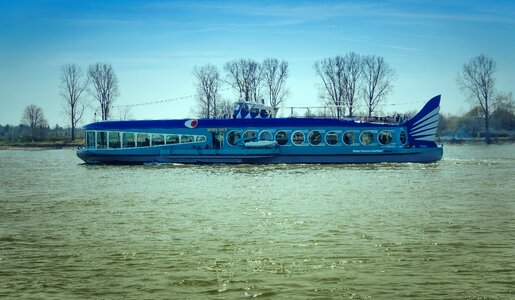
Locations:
217 139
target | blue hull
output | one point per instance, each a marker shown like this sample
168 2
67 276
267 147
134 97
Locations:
421 155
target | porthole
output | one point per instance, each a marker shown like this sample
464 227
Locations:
233 137
402 137
314 137
265 135
200 138
249 135
331 138
384 137
366 137
348 138
281 138
297 138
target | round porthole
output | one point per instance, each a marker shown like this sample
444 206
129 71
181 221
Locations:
366 138
331 138
265 135
314 137
348 138
233 137
281 138
297 138
384 137
402 137
249 135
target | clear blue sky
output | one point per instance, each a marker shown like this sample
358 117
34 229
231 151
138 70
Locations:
154 45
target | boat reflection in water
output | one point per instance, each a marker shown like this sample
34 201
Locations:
253 137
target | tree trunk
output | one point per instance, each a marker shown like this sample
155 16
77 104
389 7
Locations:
73 133
487 128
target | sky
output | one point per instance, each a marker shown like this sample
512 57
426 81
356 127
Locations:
153 47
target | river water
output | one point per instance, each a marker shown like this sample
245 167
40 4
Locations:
417 231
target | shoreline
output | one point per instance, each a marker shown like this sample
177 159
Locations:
39 145
70 145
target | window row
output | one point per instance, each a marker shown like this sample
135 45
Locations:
315 137
115 140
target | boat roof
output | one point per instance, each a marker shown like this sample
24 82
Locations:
231 123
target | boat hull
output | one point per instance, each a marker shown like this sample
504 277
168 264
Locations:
414 155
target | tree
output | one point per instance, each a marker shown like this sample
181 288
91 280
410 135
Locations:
377 81
353 68
225 108
274 75
105 87
208 85
244 75
503 116
477 82
73 84
331 72
34 118
124 113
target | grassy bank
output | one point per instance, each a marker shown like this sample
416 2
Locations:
480 140
58 144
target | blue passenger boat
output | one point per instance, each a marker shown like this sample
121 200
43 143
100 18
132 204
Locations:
251 136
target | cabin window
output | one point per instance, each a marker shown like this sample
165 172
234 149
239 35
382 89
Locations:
331 138
101 140
90 140
187 139
128 140
366 137
265 135
314 137
281 138
158 139
249 135
200 138
348 138
233 137
143 140
297 138
114 140
402 137
172 139
385 137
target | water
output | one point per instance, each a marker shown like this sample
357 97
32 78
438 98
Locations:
416 231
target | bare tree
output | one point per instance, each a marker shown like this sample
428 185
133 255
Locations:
477 82
274 75
124 113
377 81
105 87
225 108
331 71
244 75
353 68
34 118
208 85
73 84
